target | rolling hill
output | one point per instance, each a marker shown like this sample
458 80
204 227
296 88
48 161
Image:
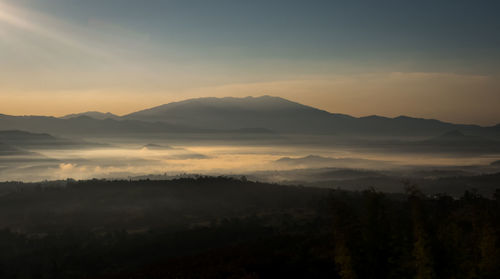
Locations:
86 126
28 140
8 150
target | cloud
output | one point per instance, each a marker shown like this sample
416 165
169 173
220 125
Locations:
67 166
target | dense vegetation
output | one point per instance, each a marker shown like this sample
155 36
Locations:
228 228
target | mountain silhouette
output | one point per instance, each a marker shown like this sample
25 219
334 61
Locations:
85 126
8 150
250 115
285 116
93 114
456 136
228 113
458 142
27 140
320 161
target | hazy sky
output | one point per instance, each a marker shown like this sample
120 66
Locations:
434 59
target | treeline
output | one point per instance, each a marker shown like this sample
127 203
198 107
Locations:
272 231
144 204
420 237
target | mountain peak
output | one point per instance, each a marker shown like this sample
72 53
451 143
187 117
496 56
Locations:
264 101
229 113
92 114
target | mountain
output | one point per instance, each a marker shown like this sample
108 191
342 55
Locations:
247 117
281 115
8 150
22 138
458 142
229 113
314 161
27 140
87 126
93 114
456 137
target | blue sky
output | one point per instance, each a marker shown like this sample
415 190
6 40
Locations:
424 34
109 55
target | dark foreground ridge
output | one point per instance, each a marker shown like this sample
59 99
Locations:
218 227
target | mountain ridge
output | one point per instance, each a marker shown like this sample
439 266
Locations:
286 116
93 114
264 113
104 115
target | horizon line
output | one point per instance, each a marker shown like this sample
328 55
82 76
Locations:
246 97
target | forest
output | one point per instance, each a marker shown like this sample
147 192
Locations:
220 227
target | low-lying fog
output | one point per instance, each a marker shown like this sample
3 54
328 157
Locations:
139 159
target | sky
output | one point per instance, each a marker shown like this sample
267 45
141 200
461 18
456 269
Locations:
432 59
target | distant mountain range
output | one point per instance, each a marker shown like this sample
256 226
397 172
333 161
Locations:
272 113
284 116
27 139
8 150
93 114
455 137
456 141
87 126
264 114
20 140
316 161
